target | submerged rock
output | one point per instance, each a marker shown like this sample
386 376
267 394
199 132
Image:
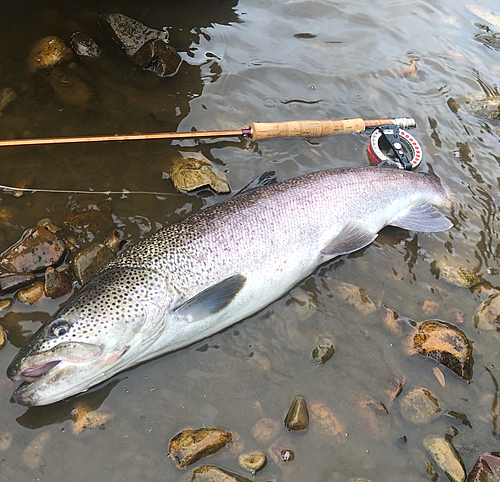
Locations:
83 418
5 304
31 294
8 96
266 429
5 436
287 455
375 416
391 321
355 296
56 284
486 469
393 385
158 57
323 417
33 453
446 457
37 249
253 462
3 337
210 473
489 39
420 406
48 52
487 316
324 351
446 344
11 281
456 274
191 174
90 260
70 88
84 46
297 417
189 446
88 218
130 34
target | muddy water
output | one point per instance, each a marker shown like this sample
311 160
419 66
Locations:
244 62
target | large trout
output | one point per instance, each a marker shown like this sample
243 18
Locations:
195 277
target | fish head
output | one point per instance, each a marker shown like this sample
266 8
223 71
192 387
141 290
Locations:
97 334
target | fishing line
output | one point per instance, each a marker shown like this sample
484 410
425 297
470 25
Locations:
124 192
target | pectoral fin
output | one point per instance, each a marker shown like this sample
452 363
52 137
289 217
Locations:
213 299
265 179
422 217
352 236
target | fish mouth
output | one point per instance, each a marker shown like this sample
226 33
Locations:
30 374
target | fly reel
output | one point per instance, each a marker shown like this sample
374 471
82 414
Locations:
391 146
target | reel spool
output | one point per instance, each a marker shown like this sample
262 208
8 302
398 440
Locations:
391 146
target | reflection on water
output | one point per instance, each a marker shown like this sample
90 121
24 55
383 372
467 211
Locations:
265 61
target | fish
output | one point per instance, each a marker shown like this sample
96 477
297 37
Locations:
195 277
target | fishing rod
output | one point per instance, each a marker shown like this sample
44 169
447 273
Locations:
256 131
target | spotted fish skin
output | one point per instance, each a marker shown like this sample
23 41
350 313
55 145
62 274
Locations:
214 268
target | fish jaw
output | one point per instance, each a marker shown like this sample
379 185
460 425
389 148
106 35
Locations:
57 373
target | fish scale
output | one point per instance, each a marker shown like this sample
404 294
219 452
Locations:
214 268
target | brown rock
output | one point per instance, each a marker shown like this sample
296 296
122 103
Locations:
114 241
375 416
84 46
48 52
88 218
209 473
70 88
56 284
324 350
158 57
31 294
486 469
456 274
189 446
37 249
390 320
90 260
420 406
287 455
356 297
445 343
10 281
266 429
487 316
5 436
297 417
5 304
393 386
321 415
191 174
253 462
3 337
430 308
446 456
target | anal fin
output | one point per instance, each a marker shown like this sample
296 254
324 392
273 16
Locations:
422 217
352 236
213 299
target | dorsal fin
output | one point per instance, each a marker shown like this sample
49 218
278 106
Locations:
265 179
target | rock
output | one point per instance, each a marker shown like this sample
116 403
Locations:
85 47
189 446
33 453
408 71
390 321
191 174
8 96
491 40
37 249
47 224
456 274
3 337
445 456
446 344
56 284
209 473
89 218
356 297
114 241
158 57
5 304
297 417
11 281
130 34
287 455
305 306
48 52
420 406
486 469
31 294
84 418
266 429
430 308
90 260
485 108
324 418
70 88
393 386
253 462
487 316
375 416
5 436
324 351
358 479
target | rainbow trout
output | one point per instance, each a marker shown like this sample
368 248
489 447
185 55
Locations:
200 275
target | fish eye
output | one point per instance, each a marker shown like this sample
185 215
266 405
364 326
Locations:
60 328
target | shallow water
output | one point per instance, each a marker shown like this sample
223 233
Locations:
243 62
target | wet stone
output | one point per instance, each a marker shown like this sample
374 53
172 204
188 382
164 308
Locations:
3 337
37 250
48 52
486 469
47 224
87 219
287 455
189 446
84 46
158 57
130 34
11 281
324 351
375 416
191 174
31 294
393 386
323 417
5 304
391 321
70 88
486 108
487 316
491 40
90 260
446 457
355 296
297 417
114 241
456 274
420 406
446 344
5 436
8 96
33 454
266 429
210 473
253 462
56 284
